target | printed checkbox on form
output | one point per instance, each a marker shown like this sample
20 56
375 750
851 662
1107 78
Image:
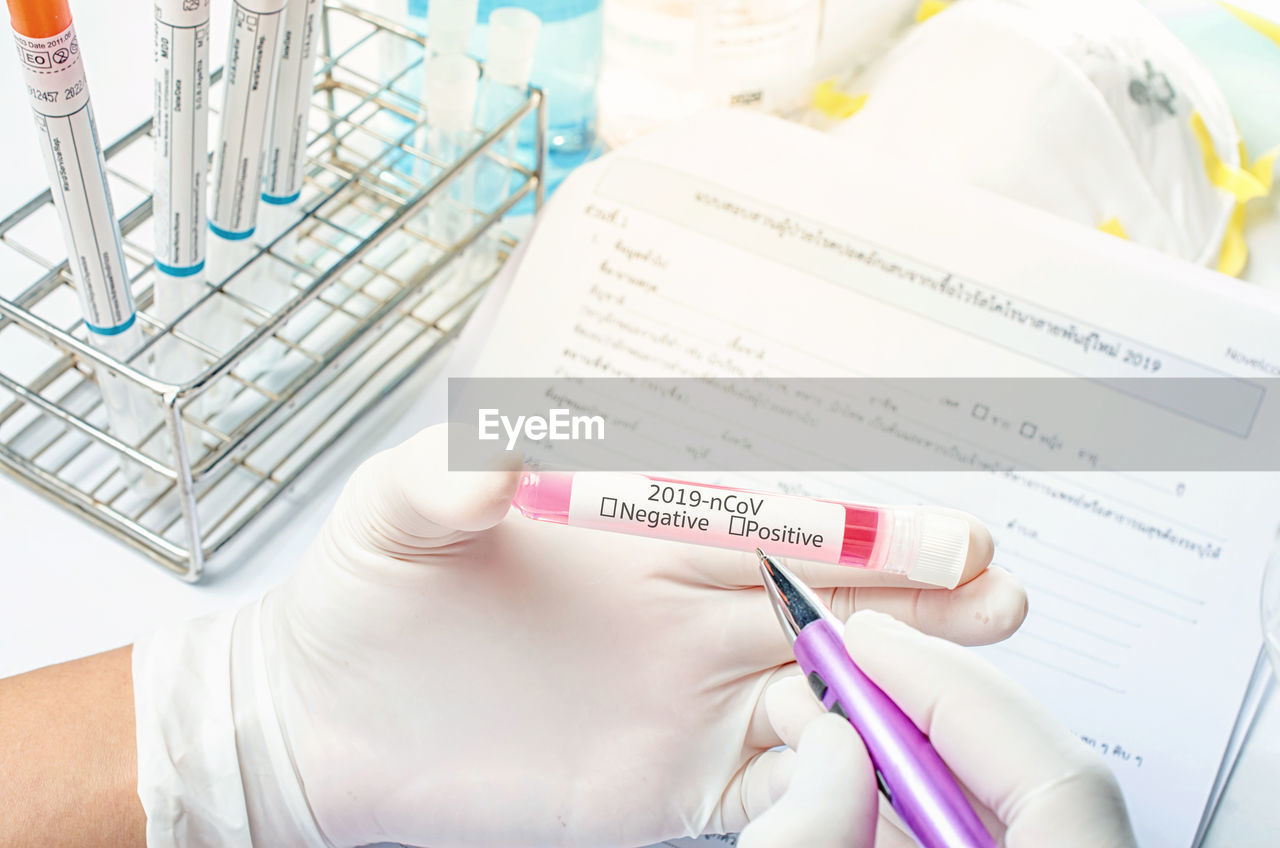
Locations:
741 525
608 507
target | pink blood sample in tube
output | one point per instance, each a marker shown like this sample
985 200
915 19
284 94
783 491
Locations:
921 544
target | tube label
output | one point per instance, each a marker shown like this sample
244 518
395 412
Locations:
181 132
253 48
781 525
54 75
287 138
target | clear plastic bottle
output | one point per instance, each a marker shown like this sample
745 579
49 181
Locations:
567 67
450 97
513 41
394 54
758 53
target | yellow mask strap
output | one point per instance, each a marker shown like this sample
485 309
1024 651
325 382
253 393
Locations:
1263 168
1265 27
1114 227
836 104
1242 184
928 8
1235 253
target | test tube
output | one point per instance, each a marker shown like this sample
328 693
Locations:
513 41
923 544
393 52
181 130
449 26
53 70
287 139
249 76
450 99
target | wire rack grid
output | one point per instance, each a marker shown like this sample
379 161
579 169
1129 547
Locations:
373 291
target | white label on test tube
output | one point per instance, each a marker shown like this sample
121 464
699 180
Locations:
287 138
708 515
54 75
248 79
181 131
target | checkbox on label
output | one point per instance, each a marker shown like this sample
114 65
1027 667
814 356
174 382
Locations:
737 525
608 507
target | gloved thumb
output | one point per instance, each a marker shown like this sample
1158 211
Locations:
406 498
831 801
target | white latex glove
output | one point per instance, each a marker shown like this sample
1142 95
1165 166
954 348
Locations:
442 672
1033 783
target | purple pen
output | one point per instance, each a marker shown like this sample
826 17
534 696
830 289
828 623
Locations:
911 774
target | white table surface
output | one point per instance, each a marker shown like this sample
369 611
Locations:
67 589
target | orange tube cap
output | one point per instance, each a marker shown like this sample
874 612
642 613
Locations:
39 18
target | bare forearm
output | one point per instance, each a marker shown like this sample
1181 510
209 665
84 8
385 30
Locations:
68 756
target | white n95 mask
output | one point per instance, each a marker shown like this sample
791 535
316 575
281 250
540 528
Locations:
1089 109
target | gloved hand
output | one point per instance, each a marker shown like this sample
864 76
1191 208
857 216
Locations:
440 672
1035 785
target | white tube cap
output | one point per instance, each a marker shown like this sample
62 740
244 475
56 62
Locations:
450 92
513 40
942 551
449 24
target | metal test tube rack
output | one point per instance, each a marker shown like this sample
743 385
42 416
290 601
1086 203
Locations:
373 297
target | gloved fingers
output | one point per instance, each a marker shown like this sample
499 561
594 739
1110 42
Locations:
791 707
985 610
831 799
983 725
890 832
712 567
894 832
757 784
748 631
734 569
763 731
406 499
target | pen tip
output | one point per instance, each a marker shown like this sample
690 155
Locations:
761 554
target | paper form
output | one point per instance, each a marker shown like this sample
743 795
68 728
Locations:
742 246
